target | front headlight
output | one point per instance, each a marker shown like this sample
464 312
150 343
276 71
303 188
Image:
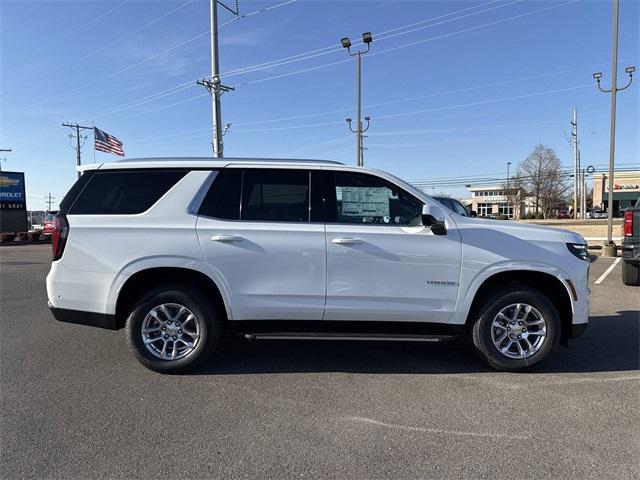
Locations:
579 250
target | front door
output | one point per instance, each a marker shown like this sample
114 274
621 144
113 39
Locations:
255 232
382 263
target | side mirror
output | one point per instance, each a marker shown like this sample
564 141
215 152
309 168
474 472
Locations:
433 217
473 213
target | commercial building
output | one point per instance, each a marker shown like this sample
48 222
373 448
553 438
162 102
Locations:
626 189
494 201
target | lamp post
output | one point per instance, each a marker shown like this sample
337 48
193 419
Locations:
346 43
609 249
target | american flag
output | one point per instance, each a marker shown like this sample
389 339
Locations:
107 143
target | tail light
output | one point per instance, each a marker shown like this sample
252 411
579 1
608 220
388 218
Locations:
59 235
628 223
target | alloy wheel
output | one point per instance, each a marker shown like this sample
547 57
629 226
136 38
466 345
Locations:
170 331
518 331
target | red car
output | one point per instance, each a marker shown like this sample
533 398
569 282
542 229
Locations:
563 214
47 223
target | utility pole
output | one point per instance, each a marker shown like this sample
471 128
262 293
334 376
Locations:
213 85
3 159
346 43
576 166
49 201
610 249
77 136
583 189
508 192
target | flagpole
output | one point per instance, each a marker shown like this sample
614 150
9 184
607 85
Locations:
94 141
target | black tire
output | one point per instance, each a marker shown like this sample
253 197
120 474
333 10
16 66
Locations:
481 331
209 322
630 273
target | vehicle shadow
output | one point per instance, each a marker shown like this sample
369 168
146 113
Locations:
610 343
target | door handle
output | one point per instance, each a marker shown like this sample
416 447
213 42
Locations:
346 241
226 238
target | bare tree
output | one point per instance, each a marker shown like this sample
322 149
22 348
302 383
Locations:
541 177
515 192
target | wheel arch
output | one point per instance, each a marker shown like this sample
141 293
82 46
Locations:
145 279
546 283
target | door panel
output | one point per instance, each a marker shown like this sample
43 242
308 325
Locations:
391 273
255 233
382 263
271 270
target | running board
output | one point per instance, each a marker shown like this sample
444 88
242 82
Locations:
376 337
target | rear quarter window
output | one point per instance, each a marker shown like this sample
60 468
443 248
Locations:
123 192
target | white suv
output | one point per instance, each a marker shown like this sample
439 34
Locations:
181 252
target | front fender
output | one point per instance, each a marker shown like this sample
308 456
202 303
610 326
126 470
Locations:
470 286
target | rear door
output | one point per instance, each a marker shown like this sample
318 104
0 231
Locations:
255 232
382 263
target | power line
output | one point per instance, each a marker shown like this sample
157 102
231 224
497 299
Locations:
483 102
270 64
332 48
131 33
284 75
81 27
381 117
157 95
406 45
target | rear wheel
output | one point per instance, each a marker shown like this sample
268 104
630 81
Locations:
630 273
516 328
173 328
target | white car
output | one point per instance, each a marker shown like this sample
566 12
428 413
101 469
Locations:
596 214
181 252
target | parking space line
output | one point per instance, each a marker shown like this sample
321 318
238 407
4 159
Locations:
607 271
437 430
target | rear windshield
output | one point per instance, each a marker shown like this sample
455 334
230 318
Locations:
119 192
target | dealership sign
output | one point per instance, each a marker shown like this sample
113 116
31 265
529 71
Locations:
12 192
623 187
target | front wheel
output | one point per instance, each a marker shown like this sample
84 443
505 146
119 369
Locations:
516 328
173 329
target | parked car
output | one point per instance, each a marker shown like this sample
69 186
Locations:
181 252
563 214
47 223
631 245
456 206
596 214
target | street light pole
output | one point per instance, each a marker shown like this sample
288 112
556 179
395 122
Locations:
346 43
609 248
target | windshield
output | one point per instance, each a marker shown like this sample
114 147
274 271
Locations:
459 208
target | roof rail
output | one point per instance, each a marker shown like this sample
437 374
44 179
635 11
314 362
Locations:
230 160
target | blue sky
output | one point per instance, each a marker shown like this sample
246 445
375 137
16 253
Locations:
477 86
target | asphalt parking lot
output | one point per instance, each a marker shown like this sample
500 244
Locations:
75 404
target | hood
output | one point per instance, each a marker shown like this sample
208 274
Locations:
524 231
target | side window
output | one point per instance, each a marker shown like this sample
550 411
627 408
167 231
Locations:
275 195
73 193
123 192
366 199
223 198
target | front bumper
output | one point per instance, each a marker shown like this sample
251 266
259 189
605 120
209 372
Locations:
93 319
